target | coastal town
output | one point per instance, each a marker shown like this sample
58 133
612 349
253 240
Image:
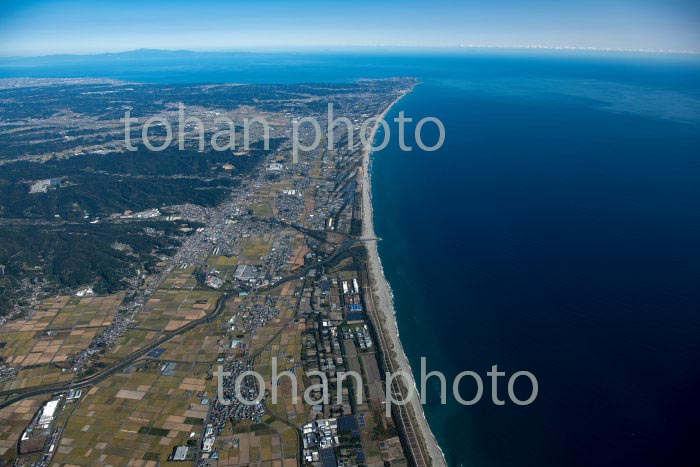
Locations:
349 234
282 275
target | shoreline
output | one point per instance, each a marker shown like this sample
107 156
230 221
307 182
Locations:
385 297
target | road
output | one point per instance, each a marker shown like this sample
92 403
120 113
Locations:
94 379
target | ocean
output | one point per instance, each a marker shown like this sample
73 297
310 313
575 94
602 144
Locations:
556 232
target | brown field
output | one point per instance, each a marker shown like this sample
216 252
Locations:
253 247
136 418
270 444
281 339
170 309
180 279
13 420
59 327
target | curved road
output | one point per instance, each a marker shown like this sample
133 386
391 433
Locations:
90 380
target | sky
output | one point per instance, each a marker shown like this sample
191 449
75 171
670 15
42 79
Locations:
31 27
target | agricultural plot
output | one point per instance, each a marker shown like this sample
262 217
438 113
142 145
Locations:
13 420
180 279
281 338
36 376
194 346
253 247
286 348
262 202
170 309
210 340
130 342
263 208
224 265
296 259
59 328
272 443
142 416
87 312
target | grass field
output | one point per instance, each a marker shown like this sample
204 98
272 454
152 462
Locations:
253 247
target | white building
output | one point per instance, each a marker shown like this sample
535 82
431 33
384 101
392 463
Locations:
48 412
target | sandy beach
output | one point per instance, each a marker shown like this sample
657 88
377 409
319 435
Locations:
385 303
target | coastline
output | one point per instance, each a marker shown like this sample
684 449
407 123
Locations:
385 300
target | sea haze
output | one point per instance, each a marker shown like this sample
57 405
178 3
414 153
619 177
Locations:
556 231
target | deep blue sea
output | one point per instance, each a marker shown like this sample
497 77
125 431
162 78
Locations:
556 231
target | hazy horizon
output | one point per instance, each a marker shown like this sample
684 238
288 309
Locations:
363 49
76 26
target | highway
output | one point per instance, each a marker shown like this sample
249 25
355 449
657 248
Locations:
94 379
